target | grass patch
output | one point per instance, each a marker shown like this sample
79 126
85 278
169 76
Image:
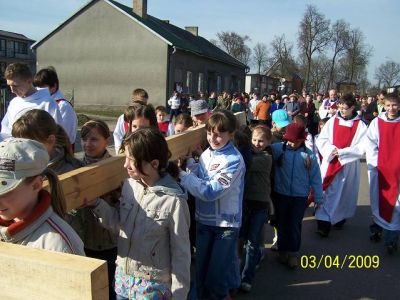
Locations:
99 112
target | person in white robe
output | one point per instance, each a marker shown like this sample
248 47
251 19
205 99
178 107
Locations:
340 144
20 80
48 78
384 173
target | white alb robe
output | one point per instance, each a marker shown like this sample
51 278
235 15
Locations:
68 115
371 150
340 198
119 133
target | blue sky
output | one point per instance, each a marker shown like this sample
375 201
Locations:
261 20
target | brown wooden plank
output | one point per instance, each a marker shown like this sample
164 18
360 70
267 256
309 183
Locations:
241 118
98 179
40 274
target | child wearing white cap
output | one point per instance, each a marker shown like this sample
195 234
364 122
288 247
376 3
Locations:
29 215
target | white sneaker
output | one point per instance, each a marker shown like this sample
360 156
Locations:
245 287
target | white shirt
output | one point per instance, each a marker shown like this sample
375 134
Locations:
119 133
252 107
41 99
174 102
68 115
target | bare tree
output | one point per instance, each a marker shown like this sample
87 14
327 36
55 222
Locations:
281 61
354 63
234 44
260 56
388 73
319 73
245 55
340 35
314 36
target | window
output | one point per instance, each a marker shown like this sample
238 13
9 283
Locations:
201 83
226 83
189 81
21 47
2 47
10 49
219 84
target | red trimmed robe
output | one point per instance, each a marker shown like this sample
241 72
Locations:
383 159
341 176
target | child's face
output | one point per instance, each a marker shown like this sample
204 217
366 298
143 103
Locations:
345 110
133 172
392 109
140 123
20 202
160 116
94 144
294 145
179 128
200 119
129 165
218 140
20 87
259 141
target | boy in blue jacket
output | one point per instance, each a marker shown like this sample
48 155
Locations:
296 172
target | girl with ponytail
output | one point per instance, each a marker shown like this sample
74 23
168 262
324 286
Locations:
29 215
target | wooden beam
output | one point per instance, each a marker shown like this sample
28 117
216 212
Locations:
98 179
30 273
241 118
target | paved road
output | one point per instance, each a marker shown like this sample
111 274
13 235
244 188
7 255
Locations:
275 281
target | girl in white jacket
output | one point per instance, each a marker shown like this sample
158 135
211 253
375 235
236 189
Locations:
152 221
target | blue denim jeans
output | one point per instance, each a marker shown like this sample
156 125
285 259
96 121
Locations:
289 212
391 237
215 256
253 222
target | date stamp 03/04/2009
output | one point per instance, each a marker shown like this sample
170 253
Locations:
339 262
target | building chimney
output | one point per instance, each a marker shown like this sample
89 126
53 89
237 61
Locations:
166 21
140 8
193 30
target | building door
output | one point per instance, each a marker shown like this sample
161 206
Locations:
211 82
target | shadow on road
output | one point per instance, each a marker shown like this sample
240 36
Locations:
275 281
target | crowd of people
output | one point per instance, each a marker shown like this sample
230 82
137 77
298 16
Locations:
210 207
